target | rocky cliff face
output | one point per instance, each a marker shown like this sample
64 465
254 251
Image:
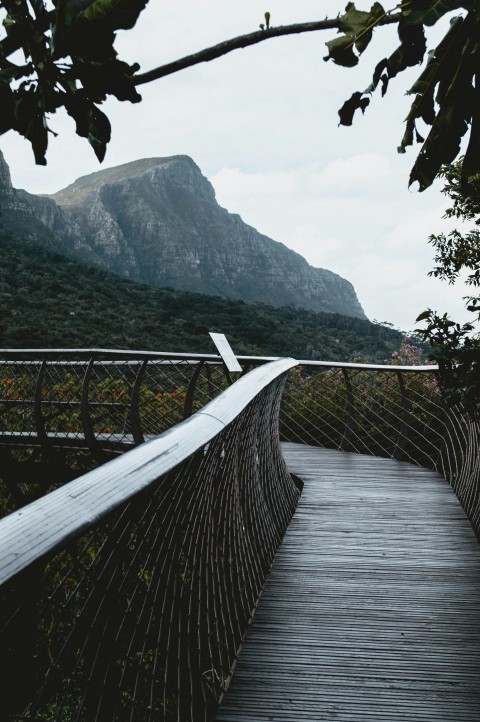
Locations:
39 218
5 180
157 221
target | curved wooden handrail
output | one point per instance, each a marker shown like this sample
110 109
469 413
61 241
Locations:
37 529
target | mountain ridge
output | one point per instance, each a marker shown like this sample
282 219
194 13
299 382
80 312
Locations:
157 221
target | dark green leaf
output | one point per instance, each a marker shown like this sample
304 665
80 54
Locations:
29 121
340 50
66 13
112 77
357 27
99 133
423 316
451 123
377 75
38 137
79 108
62 19
471 161
7 107
90 122
9 72
441 60
120 81
407 137
9 24
39 9
423 107
356 102
415 12
411 51
89 41
116 14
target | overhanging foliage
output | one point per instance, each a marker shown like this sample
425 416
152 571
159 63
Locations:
71 62
456 346
447 93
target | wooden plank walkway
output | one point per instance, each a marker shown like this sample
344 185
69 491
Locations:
372 609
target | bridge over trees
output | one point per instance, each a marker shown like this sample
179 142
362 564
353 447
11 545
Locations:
127 593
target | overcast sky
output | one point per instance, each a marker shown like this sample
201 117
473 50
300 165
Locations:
262 125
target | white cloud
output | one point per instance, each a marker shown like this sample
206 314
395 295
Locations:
354 173
233 184
414 230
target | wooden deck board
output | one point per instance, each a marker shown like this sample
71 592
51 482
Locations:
371 612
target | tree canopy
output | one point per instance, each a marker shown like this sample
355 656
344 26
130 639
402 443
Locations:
456 347
71 62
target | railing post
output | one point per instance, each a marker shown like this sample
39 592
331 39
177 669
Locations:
87 424
188 405
227 374
350 422
448 451
403 436
211 390
135 421
37 407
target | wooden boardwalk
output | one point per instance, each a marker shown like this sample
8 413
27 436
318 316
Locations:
372 609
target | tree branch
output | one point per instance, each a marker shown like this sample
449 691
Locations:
243 41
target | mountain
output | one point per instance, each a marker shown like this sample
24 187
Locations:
38 218
53 301
157 221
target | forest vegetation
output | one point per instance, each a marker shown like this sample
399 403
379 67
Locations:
52 301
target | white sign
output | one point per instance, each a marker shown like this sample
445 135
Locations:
225 351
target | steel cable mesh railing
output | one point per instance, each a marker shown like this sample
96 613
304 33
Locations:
380 411
171 391
106 413
17 394
59 405
459 461
139 615
386 411
100 403
63 412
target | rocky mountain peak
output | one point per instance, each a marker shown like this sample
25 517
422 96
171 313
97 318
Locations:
5 179
157 221
175 171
